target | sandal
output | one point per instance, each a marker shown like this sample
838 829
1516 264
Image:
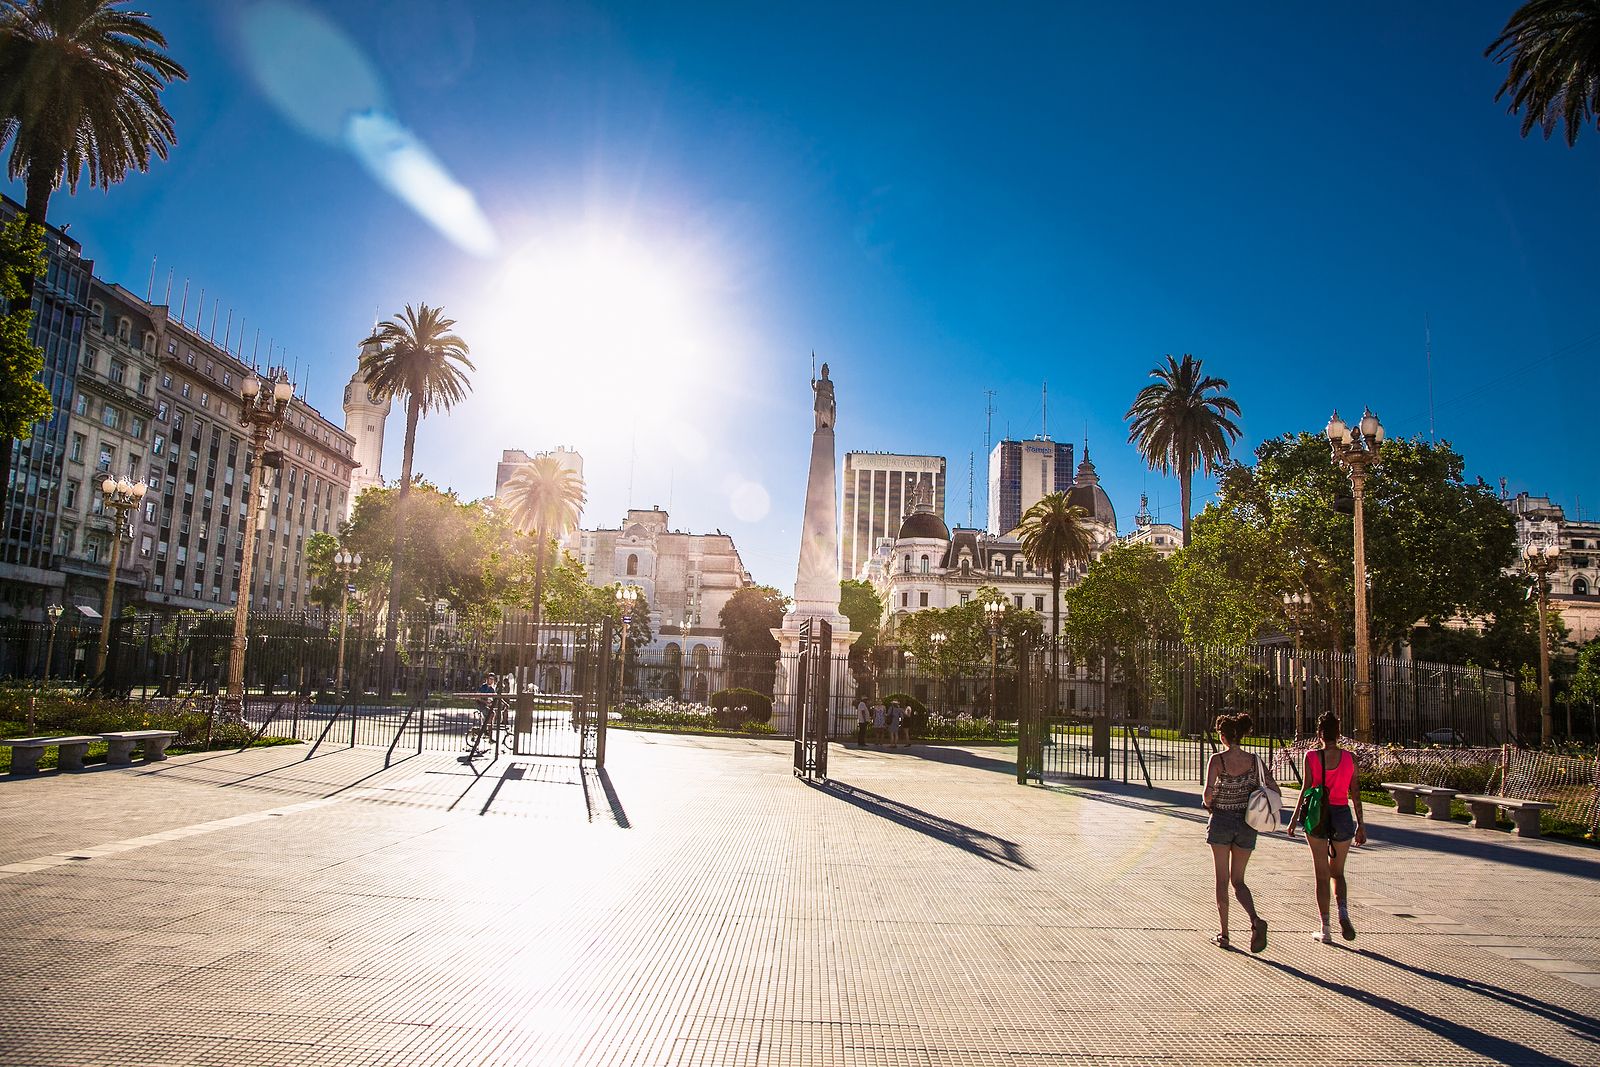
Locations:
1220 940
1258 935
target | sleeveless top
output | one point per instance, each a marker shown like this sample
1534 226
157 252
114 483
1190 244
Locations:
1232 791
1338 780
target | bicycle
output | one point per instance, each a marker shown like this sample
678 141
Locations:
494 726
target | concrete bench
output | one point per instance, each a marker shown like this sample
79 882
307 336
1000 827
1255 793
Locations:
25 752
120 745
1525 813
1436 797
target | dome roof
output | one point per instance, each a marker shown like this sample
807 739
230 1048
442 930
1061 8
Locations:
1087 494
924 524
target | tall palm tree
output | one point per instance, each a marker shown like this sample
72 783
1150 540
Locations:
1180 422
1553 50
543 498
1055 535
80 88
417 358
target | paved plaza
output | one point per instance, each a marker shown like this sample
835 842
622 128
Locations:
696 904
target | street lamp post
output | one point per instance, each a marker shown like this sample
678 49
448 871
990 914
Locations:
265 405
345 564
994 613
937 640
121 496
1297 604
627 600
1540 562
1357 450
54 611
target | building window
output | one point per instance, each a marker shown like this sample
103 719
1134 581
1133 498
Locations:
907 568
905 600
161 411
70 498
965 596
205 399
80 405
633 564
68 535
1038 603
110 417
1017 600
227 379
108 456
924 564
185 390
1580 586
76 455
922 600
124 330
136 427
119 372
159 445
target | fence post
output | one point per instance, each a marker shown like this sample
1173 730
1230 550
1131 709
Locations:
352 726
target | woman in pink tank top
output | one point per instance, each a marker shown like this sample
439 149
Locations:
1330 840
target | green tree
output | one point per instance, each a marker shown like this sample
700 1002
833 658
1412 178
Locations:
418 358
327 584
1552 52
860 603
749 617
80 88
1585 684
1055 535
1181 422
24 400
543 499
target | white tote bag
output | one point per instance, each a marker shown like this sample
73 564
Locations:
1261 810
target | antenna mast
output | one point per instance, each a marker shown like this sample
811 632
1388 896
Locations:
971 474
1044 392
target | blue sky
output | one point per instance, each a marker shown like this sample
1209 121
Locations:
684 201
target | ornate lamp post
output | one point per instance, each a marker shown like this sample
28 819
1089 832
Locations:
121 496
1297 604
345 564
994 613
1357 450
627 600
937 640
265 405
54 611
1540 561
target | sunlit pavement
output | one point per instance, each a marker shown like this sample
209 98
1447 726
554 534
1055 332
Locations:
697 904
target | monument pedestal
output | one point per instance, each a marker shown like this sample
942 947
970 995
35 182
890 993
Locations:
841 684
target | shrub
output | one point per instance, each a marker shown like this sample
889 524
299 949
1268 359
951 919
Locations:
670 713
734 706
917 711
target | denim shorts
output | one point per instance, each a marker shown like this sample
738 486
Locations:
1342 821
1229 828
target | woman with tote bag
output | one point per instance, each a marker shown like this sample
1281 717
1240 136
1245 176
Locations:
1239 789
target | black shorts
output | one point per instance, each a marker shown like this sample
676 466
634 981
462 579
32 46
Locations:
1338 824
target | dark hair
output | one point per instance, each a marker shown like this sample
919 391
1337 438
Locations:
1328 727
1234 727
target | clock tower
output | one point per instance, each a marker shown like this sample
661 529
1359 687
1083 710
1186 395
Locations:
364 415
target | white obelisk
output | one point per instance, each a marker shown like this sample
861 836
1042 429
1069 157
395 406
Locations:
816 584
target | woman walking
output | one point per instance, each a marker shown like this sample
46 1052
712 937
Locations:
1231 777
1334 770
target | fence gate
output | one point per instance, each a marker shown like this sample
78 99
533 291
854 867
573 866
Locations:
564 677
812 690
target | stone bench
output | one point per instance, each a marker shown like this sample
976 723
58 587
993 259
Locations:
120 745
1525 813
1436 797
25 752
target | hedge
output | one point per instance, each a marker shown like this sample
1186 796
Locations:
734 706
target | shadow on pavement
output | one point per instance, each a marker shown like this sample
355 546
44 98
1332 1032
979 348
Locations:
960 757
1574 860
1583 1025
1499 1049
984 845
619 815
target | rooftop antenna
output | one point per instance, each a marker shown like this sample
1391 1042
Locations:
166 301
988 420
1044 393
255 349
971 474
184 307
149 290
1427 347
214 302
200 312
227 331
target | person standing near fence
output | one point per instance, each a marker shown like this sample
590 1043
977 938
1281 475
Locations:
1330 792
1231 776
863 721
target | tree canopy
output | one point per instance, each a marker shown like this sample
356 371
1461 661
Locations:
24 400
750 616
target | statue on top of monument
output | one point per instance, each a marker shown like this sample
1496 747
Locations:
824 403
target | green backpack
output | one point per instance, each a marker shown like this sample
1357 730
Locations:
1316 799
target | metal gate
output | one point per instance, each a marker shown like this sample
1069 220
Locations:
562 678
812 689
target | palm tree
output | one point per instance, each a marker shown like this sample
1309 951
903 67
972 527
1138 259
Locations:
1553 48
1055 535
420 360
543 498
80 88
1177 426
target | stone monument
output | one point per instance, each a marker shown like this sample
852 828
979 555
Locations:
816 584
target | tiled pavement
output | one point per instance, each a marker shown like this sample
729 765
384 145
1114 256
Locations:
698 905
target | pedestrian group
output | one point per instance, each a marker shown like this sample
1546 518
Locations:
1244 801
884 725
